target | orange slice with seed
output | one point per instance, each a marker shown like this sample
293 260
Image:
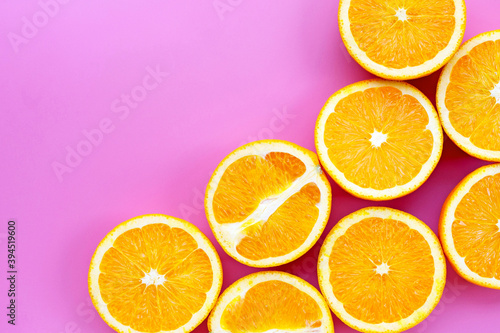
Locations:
379 139
381 270
402 39
274 302
468 97
268 202
470 227
154 273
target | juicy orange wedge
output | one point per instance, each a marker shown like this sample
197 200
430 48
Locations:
381 270
379 139
402 39
268 202
468 97
154 273
470 227
271 302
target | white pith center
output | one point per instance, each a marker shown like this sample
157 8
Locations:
498 225
153 278
495 92
401 14
378 138
382 269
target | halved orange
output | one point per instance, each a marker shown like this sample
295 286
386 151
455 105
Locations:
274 302
155 273
268 202
469 227
379 139
402 39
468 97
381 270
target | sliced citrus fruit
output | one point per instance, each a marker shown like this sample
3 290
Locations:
381 270
469 227
268 302
468 97
268 202
379 139
155 273
402 39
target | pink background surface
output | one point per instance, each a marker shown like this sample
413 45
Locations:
232 73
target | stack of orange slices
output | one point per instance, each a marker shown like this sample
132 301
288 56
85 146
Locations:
268 202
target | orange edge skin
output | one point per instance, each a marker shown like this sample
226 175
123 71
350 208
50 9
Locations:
400 77
324 223
94 301
453 194
335 178
439 92
440 290
189 225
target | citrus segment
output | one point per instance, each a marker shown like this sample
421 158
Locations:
470 225
237 197
381 270
270 302
378 139
154 273
402 39
266 240
267 202
468 97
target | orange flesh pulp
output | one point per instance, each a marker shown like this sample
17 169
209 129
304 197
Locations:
168 303
475 230
358 118
271 305
471 95
381 270
252 181
402 33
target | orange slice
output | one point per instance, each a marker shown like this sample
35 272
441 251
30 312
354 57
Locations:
470 227
155 273
381 270
468 97
268 202
402 39
271 302
379 139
